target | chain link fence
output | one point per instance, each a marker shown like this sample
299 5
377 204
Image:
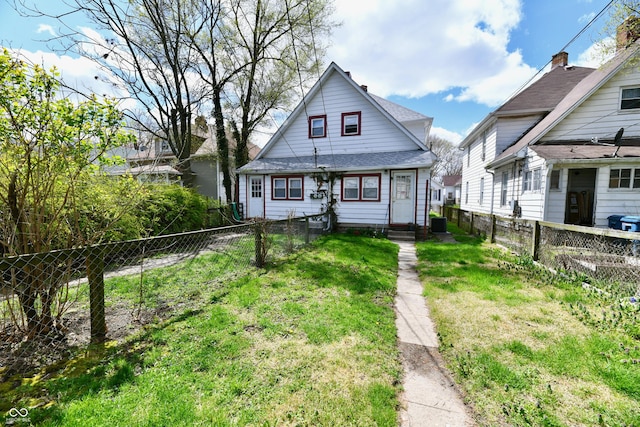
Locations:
54 303
606 255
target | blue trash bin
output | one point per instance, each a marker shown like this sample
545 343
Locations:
630 223
614 221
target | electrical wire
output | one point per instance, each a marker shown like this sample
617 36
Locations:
594 19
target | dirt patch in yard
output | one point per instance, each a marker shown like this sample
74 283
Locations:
21 356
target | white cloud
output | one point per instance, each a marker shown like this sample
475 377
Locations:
414 48
43 28
454 137
78 73
597 54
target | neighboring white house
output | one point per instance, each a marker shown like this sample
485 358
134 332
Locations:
344 148
452 189
566 149
437 196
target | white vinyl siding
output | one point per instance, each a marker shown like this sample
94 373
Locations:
600 115
475 176
510 129
377 133
531 202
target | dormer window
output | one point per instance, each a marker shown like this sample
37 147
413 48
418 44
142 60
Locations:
317 126
351 123
630 98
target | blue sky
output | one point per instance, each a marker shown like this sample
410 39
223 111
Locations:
453 60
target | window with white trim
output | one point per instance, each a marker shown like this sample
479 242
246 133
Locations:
526 180
466 192
504 185
624 178
481 190
287 188
630 98
351 123
318 126
537 179
361 188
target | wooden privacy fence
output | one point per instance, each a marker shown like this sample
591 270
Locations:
604 254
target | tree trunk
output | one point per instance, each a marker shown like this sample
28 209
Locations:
222 141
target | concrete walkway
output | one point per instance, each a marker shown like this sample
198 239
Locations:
430 397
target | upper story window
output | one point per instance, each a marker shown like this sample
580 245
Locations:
318 126
361 188
483 154
624 178
351 123
630 98
286 188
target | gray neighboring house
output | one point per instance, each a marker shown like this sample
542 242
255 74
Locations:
155 162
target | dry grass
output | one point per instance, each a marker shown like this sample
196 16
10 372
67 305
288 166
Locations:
516 348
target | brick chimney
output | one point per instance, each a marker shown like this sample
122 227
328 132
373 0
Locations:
627 32
560 59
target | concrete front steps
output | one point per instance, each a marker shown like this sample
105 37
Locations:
400 235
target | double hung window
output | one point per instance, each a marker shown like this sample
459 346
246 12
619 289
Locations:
287 188
363 188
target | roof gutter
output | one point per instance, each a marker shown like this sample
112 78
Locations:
518 155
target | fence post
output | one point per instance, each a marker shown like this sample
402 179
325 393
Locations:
95 276
259 245
492 238
306 230
458 218
471 224
535 241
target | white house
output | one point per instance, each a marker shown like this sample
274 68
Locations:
452 189
566 149
437 196
344 150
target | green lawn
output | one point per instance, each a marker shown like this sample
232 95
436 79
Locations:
310 340
528 348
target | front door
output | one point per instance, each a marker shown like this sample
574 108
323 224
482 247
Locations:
256 197
402 197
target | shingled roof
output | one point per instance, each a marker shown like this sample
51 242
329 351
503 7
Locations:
544 94
575 97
